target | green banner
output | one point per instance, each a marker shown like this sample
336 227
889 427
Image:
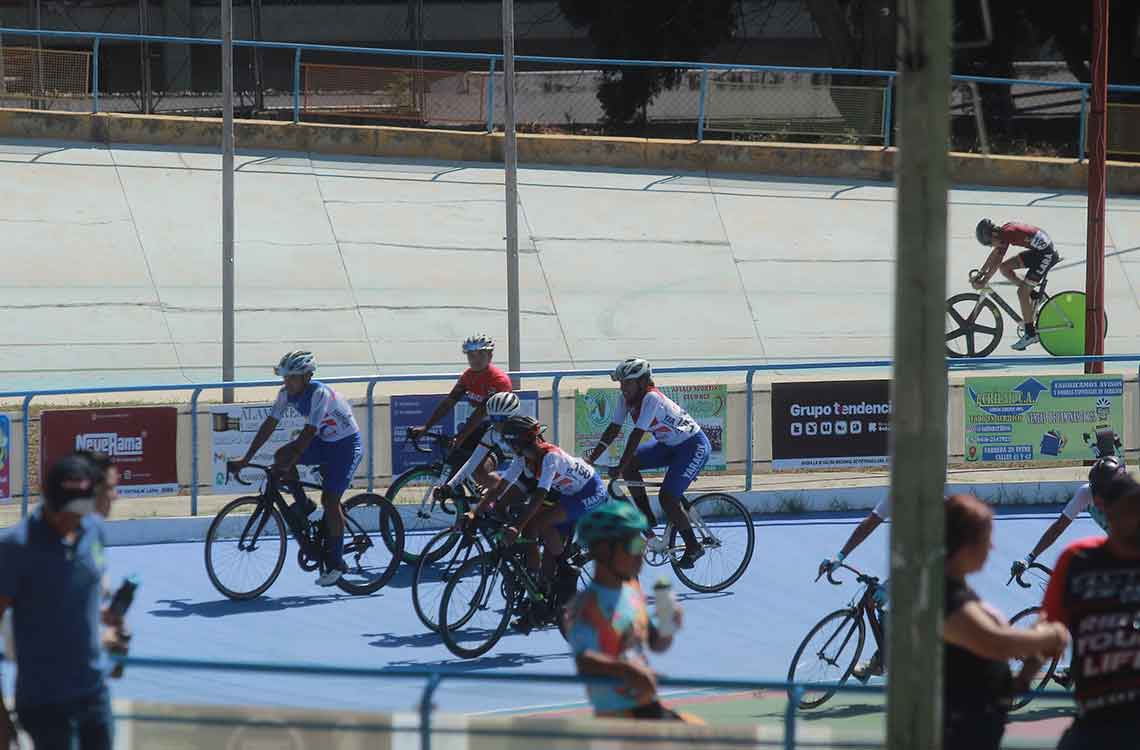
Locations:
593 409
1055 418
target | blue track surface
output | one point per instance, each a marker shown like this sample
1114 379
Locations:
749 632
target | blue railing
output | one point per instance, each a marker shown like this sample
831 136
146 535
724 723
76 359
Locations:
493 60
555 376
434 677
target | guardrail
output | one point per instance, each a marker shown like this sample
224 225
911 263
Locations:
555 376
433 678
855 109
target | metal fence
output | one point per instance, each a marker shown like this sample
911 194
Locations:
584 95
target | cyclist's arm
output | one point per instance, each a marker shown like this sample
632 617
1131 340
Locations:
992 264
473 422
537 498
1051 535
975 630
630 452
509 479
263 434
468 468
861 532
608 436
292 451
445 406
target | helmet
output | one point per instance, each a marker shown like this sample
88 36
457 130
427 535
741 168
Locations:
503 405
984 232
519 427
477 343
296 363
615 519
631 369
1103 472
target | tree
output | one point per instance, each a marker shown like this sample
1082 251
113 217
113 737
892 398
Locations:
647 30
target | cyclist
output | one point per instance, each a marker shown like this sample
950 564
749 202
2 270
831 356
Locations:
608 624
330 440
679 445
1038 257
500 407
478 382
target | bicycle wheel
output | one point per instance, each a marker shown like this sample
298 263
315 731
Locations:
373 541
476 606
973 326
1061 324
423 516
1027 618
434 569
724 528
245 548
820 658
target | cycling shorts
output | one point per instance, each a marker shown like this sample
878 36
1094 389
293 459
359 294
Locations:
682 462
337 461
581 502
1038 262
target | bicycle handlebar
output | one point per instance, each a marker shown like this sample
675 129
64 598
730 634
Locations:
859 576
1028 568
237 475
438 437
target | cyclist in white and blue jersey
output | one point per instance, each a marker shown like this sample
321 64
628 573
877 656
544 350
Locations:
499 408
330 439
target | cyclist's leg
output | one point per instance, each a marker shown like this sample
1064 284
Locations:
545 528
685 465
338 466
1023 260
651 456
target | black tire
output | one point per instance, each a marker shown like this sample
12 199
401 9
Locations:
987 322
722 513
409 493
1027 617
261 525
494 594
373 545
840 624
433 570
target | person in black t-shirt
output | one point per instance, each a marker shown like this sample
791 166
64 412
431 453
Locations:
979 641
1095 591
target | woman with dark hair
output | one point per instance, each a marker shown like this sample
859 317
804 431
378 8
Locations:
979 641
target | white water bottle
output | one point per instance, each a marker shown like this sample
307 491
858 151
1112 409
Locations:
666 605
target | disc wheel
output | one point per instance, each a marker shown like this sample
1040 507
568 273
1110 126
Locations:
973 326
1061 324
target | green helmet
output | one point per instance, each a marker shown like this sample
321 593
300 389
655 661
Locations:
616 519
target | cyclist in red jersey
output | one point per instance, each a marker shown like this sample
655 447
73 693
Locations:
1038 257
479 382
1095 592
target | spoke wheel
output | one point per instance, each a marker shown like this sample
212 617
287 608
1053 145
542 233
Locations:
245 548
828 655
724 528
973 326
423 517
373 541
1026 619
476 606
435 568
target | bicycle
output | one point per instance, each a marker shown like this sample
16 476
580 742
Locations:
485 591
263 522
1059 318
1027 618
839 629
415 487
716 537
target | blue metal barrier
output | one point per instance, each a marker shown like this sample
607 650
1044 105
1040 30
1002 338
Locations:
556 377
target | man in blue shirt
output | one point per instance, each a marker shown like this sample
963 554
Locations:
51 574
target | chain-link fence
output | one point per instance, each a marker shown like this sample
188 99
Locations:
44 78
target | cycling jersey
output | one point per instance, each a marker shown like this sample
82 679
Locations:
1023 235
491 440
322 407
659 416
1082 501
476 386
1095 594
555 469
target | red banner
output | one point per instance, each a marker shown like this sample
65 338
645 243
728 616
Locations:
143 443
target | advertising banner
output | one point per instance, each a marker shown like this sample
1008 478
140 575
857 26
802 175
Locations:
5 457
593 410
413 411
233 427
830 424
1048 418
142 441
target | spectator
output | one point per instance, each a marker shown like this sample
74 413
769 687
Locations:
107 482
978 684
51 571
1095 591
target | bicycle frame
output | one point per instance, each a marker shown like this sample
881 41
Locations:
988 292
271 498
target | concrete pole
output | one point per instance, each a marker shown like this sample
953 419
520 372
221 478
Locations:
918 419
1098 186
227 198
510 162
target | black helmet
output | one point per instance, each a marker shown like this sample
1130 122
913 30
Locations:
520 427
1103 472
985 232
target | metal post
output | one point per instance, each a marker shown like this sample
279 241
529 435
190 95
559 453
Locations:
255 29
1081 125
1098 130
790 717
370 428
918 418
227 199
27 417
554 396
194 451
144 58
95 75
296 85
748 435
888 115
491 97
425 710
701 104
510 162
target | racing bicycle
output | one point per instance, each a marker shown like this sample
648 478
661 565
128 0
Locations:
246 542
974 322
828 654
723 527
1039 578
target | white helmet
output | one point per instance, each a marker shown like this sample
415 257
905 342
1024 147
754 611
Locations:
478 342
631 369
503 405
296 363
